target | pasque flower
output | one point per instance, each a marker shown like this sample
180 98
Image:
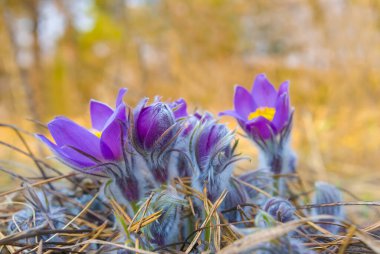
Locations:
153 125
155 130
266 116
166 228
210 142
263 112
102 151
326 193
280 209
212 155
85 149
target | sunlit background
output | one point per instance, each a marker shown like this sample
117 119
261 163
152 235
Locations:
56 55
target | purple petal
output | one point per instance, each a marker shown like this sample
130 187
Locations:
137 110
260 127
282 114
232 113
100 113
243 102
198 115
207 140
78 157
238 117
120 113
70 156
263 92
284 88
114 134
67 133
179 108
120 96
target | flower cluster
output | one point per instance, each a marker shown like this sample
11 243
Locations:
143 149
142 152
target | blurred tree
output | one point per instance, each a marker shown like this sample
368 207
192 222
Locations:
57 54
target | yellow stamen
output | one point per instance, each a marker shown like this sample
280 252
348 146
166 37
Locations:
265 112
97 133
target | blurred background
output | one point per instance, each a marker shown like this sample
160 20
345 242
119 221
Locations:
57 54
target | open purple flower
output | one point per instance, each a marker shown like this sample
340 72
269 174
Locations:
81 148
263 112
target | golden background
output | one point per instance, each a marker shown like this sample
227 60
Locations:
56 55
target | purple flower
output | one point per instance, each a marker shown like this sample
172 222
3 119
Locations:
155 134
154 125
280 209
263 112
81 148
213 139
165 229
191 124
326 193
212 156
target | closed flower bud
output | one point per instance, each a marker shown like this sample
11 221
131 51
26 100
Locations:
280 209
213 139
212 157
153 126
166 228
327 194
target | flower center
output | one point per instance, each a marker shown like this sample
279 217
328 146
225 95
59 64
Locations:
265 112
97 133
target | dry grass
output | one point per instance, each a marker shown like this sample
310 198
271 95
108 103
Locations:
89 230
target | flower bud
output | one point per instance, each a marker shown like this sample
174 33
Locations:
326 194
280 209
153 126
213 139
